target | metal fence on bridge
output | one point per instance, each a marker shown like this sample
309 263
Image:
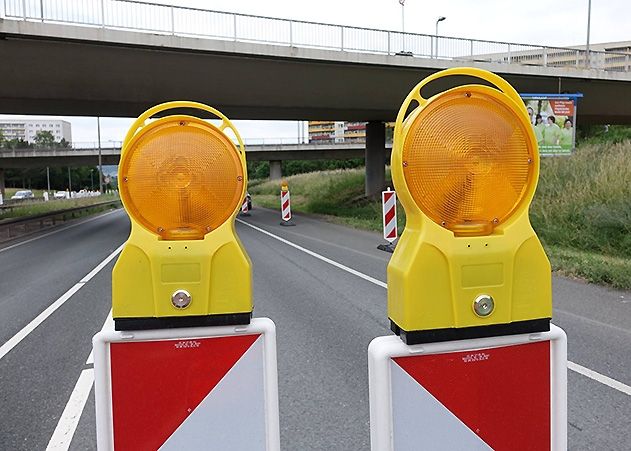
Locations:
195 22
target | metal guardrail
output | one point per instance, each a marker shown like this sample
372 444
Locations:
204 23
11 228
10 204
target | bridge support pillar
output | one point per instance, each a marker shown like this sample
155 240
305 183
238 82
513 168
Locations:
2 182
375 158
275 170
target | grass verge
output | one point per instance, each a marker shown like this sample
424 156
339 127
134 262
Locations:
31 209
581 211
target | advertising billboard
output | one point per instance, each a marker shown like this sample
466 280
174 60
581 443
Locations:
553 118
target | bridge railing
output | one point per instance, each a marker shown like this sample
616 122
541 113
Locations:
196 22
109 146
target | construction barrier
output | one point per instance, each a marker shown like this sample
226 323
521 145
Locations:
389 216
188 388
285 205
476 364
244 208
187 367
497 393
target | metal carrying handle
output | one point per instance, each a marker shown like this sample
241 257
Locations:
225 122
496 80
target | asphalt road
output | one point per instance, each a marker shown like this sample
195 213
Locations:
325 318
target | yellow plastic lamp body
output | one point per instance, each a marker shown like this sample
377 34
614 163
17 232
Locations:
465 165
181 180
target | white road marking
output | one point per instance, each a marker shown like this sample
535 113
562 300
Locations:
318 256
57 231
72 413
30 327
616 385
67 425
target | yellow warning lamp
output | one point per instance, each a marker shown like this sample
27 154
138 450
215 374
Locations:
182 181
465 165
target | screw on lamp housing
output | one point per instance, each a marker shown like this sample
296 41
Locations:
181 299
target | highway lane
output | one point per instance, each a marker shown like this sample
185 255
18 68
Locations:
325 319
38 271
38 375
597 321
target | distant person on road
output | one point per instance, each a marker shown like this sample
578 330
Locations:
565 136
539 126
551 133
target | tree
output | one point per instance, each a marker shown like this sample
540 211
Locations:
44 138
17 143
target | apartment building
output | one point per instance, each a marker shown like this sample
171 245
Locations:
338 131
611 56
26 129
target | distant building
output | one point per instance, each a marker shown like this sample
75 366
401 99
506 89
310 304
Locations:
27 129
574 56
338 132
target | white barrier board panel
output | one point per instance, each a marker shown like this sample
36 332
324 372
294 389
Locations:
497 393
190 388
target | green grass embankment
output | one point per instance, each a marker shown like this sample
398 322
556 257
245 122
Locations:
581 211
30 209
337 195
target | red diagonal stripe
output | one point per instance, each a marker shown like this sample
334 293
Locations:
387 195
286 205
389 215
501 394
157 384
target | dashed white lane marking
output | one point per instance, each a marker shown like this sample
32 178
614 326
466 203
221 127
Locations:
61 229
67 425
616 385
72 413
39 319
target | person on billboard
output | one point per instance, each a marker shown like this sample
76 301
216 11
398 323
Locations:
551 133
531 115
565 136
539 126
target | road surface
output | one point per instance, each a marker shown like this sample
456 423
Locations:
322 284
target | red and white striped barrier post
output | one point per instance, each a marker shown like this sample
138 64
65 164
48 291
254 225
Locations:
244 207
285 205
389 216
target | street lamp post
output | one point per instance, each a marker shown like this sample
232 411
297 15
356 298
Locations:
589 17
402 3
91 180
440 19
98 131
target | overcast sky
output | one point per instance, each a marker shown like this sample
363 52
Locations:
541 22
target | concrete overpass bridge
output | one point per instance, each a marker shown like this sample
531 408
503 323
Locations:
274 153
119 57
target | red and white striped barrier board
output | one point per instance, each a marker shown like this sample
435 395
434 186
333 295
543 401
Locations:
389 202
285 205
244 206
498 393
191 388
